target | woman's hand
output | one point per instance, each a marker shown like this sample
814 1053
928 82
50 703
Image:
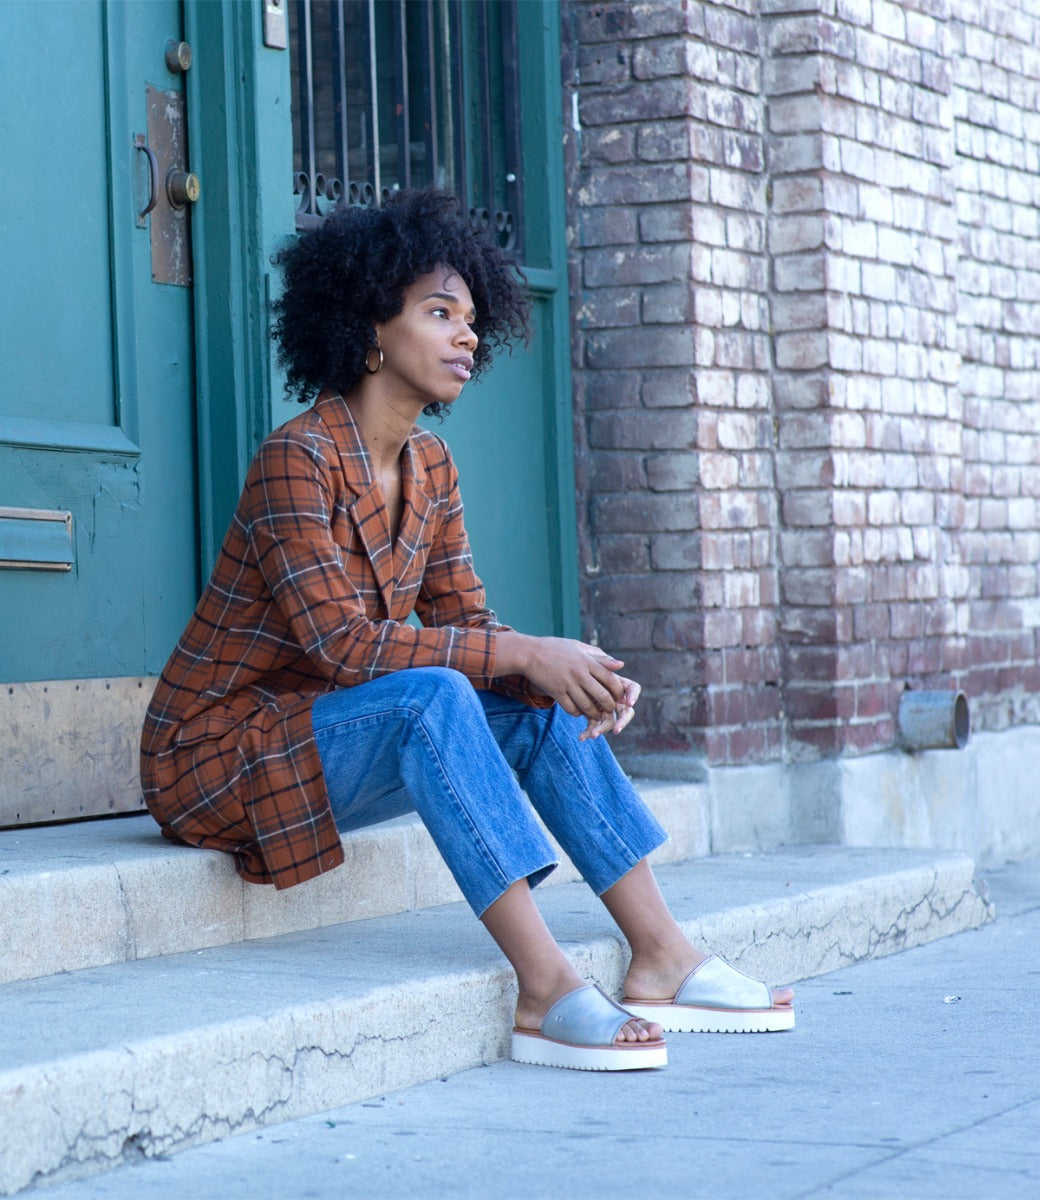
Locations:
614 722
581 678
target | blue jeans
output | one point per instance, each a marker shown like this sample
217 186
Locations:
424 740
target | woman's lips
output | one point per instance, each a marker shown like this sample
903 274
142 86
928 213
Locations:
462 367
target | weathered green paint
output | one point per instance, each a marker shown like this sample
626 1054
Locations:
96 375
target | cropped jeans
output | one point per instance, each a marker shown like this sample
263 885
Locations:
424 740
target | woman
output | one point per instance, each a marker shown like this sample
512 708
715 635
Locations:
299 703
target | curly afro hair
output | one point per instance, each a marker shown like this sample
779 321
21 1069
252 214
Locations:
349 273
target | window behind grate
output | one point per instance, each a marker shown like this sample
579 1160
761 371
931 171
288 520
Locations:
397 93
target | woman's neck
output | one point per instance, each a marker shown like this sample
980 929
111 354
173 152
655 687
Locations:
384 425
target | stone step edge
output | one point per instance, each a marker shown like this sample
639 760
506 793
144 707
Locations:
94 1111
115 905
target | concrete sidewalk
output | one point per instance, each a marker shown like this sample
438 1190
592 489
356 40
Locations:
910 1077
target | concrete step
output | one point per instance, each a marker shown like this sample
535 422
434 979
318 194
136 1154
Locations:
104 1065
99 892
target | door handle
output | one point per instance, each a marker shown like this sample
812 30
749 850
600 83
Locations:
153 175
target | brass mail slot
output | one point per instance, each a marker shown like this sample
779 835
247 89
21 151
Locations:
36 539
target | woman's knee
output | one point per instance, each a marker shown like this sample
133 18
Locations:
431 687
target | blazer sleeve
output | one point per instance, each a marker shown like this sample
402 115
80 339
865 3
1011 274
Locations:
290 503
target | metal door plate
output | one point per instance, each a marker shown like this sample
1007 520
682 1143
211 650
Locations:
171 226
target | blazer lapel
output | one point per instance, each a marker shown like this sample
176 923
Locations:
367 510
417 509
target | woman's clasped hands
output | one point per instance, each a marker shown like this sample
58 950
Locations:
580 677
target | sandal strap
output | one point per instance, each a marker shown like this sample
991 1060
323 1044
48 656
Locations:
715 984
585 1017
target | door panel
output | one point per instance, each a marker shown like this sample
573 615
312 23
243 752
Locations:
44 244
500 431
96 378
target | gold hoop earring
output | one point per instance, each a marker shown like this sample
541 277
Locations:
370 369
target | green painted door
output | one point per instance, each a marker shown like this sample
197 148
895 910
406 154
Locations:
97 446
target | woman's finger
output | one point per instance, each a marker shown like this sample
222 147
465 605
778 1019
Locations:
595 727
623 716
610 682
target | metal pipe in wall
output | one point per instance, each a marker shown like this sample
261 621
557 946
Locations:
933 721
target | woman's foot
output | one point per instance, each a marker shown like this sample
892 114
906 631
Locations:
587 1031
712 997
531 1009
660 977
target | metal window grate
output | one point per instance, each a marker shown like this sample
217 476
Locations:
398 93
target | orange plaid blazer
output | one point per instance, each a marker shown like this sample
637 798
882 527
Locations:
308 594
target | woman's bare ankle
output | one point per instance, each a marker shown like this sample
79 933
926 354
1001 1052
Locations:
658 976
537 996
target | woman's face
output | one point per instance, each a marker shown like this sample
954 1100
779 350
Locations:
428 347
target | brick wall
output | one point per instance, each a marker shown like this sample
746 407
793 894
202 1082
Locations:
674 426
995 58
806 276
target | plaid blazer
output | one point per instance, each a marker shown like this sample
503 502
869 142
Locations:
308 594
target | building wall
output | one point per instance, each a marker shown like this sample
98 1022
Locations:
995 60
806 265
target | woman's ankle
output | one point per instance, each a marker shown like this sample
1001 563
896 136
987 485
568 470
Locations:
658 976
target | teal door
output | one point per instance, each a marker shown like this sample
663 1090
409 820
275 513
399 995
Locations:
98 540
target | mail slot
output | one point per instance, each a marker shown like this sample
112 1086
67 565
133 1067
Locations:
35 539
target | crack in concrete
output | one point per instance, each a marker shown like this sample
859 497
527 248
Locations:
130 933
895 1154
88 1151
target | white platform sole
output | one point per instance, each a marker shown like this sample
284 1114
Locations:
544 1052
683 1018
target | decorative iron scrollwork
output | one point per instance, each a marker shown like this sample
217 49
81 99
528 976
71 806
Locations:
318 199
501 223
385 97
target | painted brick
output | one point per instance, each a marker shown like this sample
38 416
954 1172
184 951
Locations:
617 471
632 348
657 430
675 551
606 227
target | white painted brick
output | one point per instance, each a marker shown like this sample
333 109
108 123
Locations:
879 281
883 508
753 391
889 20
844 274
844 353
716 388
860 238
731 308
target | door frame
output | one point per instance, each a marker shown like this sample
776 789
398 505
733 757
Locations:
240 130
539 41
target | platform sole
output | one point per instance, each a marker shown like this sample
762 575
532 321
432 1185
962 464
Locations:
545 1052
683 1018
